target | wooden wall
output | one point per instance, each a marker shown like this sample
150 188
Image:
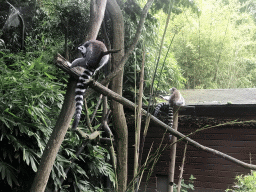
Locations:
212 173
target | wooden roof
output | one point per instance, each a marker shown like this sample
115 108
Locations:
219 96
228 103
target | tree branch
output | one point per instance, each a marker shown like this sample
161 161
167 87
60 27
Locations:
107 92
87 116
91 136
64 64
66 114
100 88
119 120
130 50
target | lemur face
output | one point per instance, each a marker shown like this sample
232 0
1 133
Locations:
82 49
172 90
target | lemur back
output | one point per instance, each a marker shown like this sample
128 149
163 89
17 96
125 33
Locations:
175 99
95 56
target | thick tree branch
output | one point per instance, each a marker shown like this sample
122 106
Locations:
65 66
172 160
130 50
107 92
119 120
97 11
62 63
66 113
101 89
55 140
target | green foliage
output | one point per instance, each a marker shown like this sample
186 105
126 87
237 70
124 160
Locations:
169 73
213 48
147 40
212 45
244 183
186 187
31 90
30 100
88 172
67 18
164 5
8 172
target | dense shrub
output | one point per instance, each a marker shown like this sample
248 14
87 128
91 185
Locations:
244 183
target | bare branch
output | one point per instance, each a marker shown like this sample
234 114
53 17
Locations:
96 108
105 125
100 88
87 116
91 136
138 123
65 66
182 167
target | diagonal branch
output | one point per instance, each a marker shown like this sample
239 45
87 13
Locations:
107 92
101 89
64 64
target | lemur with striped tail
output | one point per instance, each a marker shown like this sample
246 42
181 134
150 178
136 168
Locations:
94 56
175 99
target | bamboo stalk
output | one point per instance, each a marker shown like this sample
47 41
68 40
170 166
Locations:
171 169
182 167
138 123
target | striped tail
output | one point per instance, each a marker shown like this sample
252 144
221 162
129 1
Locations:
80 90
170 118
159 107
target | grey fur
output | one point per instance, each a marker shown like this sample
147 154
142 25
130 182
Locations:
95 56
175 99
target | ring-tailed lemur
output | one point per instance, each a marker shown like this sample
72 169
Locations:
95 56
175 99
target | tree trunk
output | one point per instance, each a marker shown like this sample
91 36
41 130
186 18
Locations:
57 136
119 120
97 11
173 151
67 111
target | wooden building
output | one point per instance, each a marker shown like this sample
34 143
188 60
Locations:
207 107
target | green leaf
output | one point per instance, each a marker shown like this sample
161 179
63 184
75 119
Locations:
8 172
31 66
50 76
33 165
